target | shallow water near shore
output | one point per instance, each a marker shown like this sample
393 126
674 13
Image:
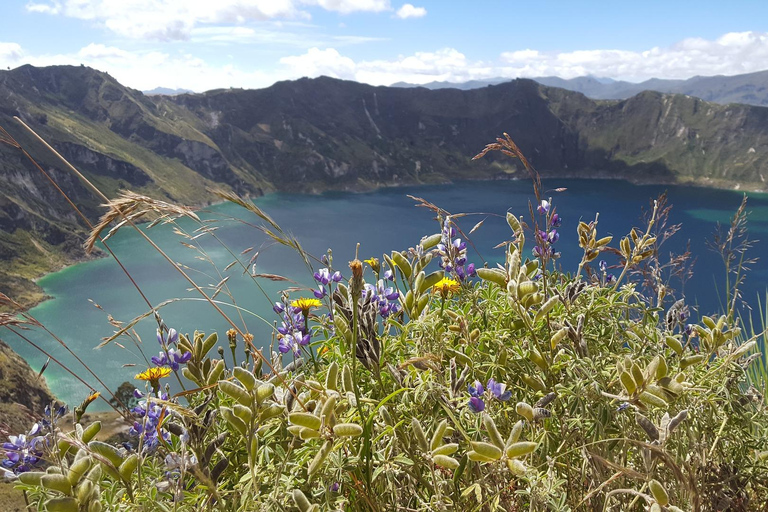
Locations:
380 221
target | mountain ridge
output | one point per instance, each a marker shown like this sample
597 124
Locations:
748 88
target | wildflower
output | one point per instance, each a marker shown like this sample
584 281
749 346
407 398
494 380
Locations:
278 308
476 391
173 359
324 276
381 295
153 375
80 409
453 253
543 208
389 276
293 341
169 338
320 292
622 406
446 286
148 423
555 221
373 263
50 416
476 405
24 452
334 487
304 305
498 390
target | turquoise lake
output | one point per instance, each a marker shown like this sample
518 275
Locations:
380 221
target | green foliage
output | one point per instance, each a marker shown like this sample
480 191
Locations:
429 389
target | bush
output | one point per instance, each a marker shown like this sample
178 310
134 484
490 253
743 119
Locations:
419 382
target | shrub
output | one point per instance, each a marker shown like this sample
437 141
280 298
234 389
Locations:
418 381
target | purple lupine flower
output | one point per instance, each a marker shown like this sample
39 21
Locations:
688 329
174 358
602 265
476 389
147 423
553 236
389 276
171 337
498 390
537 251
24 452
322 276
543 208
278 308
622 406
609 278
471 272
476 405
334 487
555 221
320 292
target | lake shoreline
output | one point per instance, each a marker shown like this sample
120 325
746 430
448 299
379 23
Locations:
544 175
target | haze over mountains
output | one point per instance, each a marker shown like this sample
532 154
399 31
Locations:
751 88
312 135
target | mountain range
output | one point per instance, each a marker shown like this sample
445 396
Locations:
312 135
751 88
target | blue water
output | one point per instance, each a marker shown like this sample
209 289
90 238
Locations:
380 221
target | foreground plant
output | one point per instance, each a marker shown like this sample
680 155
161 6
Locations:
428 382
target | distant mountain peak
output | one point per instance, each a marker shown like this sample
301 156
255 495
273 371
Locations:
165 91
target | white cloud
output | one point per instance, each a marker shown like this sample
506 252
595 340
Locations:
348 6
10 54
409 11
730 54
149 69
318 62
169 20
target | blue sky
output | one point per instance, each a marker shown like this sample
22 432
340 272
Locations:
205 44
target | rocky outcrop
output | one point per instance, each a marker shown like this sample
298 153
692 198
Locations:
23 395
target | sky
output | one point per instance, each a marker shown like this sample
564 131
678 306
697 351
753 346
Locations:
206 44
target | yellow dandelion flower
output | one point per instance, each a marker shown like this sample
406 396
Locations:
305 304
373 263
154 374
446 286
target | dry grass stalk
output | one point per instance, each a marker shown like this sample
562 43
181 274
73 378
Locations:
130 205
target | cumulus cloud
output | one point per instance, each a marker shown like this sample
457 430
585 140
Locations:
730 54
318 62
10 54
421 67
348 6
169 20
409 11
146 70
